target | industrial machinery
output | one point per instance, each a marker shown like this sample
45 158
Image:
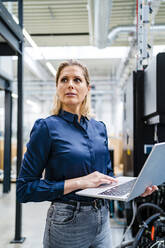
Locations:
144 100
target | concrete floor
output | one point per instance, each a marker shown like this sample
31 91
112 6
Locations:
33 223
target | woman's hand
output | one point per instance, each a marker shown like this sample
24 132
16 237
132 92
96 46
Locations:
92 180
95 179
149 190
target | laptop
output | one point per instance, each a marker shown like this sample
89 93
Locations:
128 188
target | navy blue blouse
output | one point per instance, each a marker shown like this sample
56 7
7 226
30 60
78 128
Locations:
65 149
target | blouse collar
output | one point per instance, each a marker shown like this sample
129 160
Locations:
69 116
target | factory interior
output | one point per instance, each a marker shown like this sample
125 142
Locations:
122 43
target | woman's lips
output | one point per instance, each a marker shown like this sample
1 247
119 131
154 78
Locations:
70 94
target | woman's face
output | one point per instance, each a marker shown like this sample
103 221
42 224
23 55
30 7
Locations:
72 86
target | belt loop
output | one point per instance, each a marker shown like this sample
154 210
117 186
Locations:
78 206
95 204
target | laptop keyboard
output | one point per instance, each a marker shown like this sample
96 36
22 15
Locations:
120 190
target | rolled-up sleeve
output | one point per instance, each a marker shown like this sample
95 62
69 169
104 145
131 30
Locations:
30 185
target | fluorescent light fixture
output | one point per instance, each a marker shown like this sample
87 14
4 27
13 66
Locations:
36 49
78 52
31 103
51 68
29 39
83 52
14 95
25 33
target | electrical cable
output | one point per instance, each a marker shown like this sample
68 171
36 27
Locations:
148 205
128 228
152 205
155 244
125 244
145 225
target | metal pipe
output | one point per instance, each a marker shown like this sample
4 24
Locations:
129 29
91 20
99 20
112 35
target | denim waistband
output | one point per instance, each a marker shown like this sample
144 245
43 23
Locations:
97 203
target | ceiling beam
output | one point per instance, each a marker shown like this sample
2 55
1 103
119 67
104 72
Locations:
60 34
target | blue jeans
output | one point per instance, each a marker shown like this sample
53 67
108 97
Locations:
69 226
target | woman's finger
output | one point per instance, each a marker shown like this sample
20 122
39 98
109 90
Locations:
104 181
154 187
111 179
149 190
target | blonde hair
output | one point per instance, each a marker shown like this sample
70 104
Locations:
85 109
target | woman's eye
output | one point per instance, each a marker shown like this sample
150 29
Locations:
77 80
64 80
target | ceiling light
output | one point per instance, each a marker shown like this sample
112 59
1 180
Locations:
29 39
78 52
51 68
14 95
30 102
34 45
25 33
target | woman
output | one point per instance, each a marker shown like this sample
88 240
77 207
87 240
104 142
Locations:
72 149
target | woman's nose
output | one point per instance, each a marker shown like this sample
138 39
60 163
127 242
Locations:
70 83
